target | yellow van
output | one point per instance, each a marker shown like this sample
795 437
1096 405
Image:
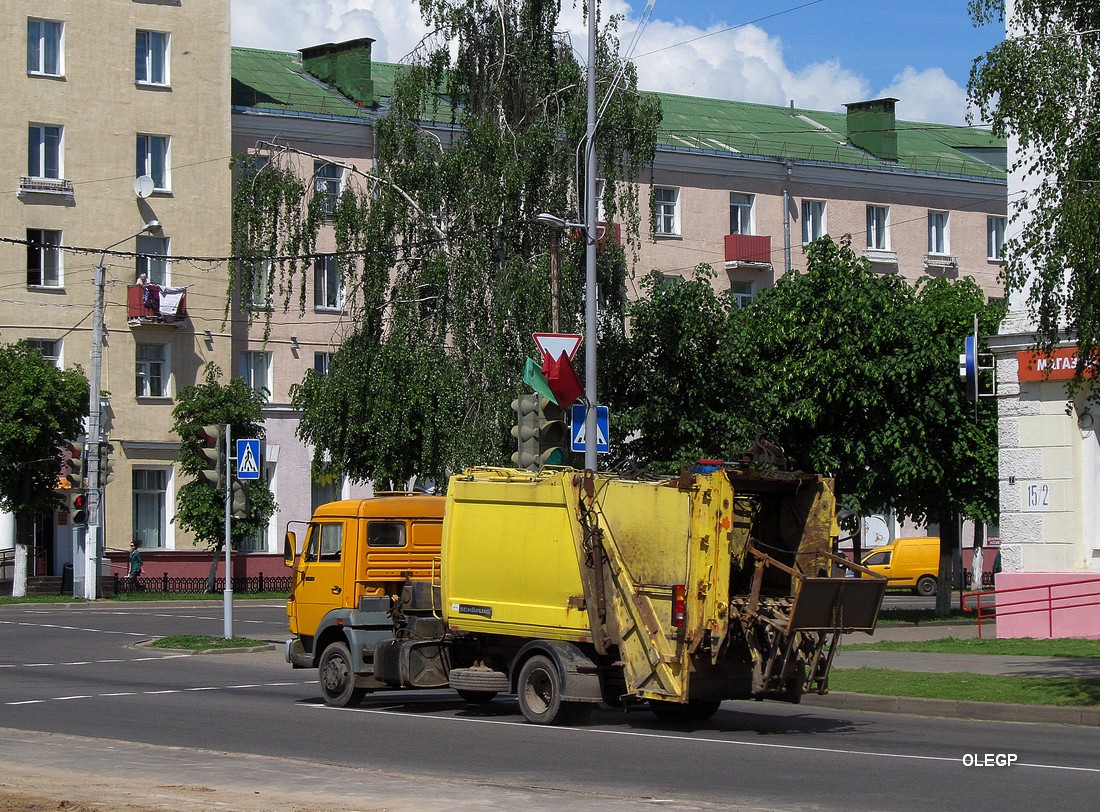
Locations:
912 562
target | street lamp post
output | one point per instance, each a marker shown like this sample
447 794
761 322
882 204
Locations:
590 253
92 541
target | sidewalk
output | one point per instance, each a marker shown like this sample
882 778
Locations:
990 664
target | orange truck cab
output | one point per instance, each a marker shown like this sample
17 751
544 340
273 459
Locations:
354 554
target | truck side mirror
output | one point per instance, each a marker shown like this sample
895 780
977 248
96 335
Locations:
289 546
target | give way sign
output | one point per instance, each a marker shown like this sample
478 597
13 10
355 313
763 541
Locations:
554 344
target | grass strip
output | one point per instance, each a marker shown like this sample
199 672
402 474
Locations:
203 642
1061 691
1018 647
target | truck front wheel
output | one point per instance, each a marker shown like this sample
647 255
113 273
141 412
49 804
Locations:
539 692
337 678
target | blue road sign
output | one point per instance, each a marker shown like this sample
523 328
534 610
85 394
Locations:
248 459
603 428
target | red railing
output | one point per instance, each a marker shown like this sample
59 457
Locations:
1042 603
748 248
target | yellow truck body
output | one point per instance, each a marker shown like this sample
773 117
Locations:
569 588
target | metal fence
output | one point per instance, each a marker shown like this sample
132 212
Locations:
193 585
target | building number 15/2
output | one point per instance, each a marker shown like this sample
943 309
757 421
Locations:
1038 496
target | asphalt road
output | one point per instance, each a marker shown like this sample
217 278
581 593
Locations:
80 671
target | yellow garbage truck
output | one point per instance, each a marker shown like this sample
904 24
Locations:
569 589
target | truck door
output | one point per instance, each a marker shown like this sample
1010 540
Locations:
321 573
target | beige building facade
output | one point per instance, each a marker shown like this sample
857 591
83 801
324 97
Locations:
117 115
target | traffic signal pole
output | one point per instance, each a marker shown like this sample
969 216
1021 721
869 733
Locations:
227 595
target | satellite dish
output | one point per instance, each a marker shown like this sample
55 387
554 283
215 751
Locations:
143 186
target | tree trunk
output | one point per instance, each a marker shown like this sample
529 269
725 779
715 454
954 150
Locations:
212 578
949 546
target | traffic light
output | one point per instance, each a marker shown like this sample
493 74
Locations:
78 507
72 464
241 503
212 449
553 436
106 462
526 432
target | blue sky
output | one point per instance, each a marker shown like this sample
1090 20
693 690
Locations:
819 53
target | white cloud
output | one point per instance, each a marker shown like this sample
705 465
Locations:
928 95
744 64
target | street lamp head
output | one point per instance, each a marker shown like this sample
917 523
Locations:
551 220
152 225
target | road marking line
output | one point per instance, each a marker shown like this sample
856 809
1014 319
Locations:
636 734
158 693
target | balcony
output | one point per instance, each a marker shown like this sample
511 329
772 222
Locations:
881 257
941 263
153 304
44 186
748 251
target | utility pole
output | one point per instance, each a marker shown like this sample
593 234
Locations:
590 251
93 541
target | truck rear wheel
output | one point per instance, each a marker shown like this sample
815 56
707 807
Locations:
337 679
539 693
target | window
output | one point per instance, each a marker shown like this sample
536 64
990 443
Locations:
150 487
877 558
48 347
741 293
328 284
151 58
153 259
44 151
256 371
327 181
666 211
151 373
937 233
43 258
329 489
322 361
813 220
386 534
878 235
995 237
741 213
153 160
256 284
325 542
44 47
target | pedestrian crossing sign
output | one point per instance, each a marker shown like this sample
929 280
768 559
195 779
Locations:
248 459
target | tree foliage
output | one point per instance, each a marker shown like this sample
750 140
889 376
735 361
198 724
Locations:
41 407
199 507
1041 86
853 373
437 244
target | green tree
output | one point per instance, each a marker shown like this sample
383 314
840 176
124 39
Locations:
199 507
853 373
670 383
41 407
1040 85
439 244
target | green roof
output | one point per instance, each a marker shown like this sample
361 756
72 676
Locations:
729 127
275 81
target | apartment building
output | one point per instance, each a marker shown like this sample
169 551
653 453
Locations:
743 187
117 116
740 186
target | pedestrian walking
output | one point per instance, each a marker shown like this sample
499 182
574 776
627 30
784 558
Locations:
135 566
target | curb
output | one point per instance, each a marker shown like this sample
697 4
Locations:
236 650
958 709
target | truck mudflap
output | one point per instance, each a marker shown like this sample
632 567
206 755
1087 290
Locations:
792 640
